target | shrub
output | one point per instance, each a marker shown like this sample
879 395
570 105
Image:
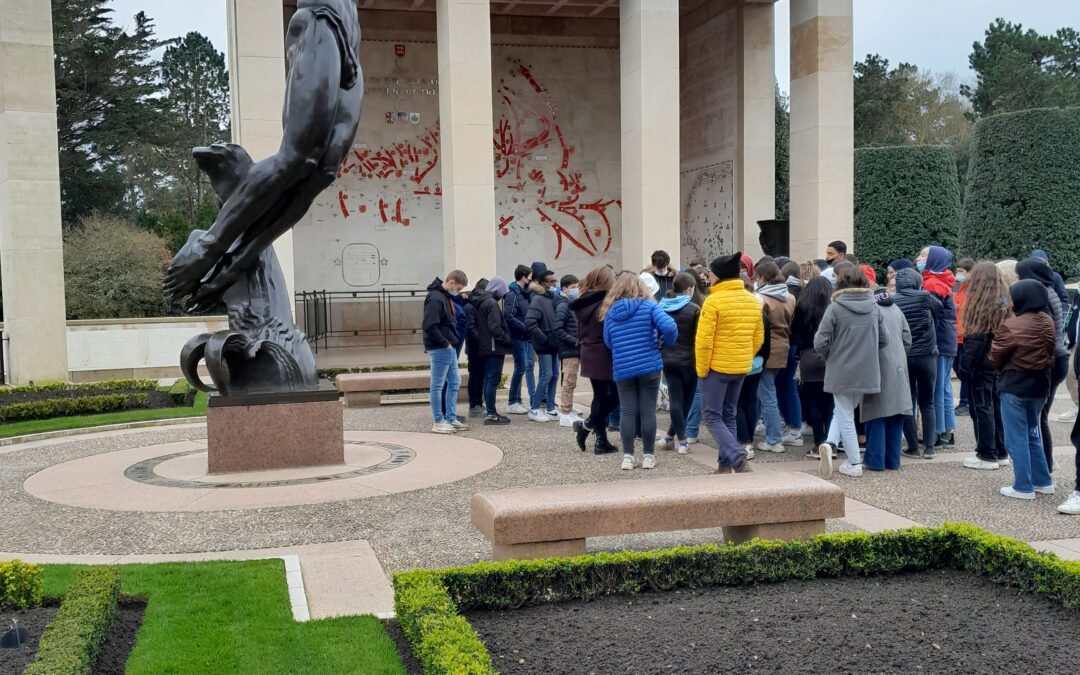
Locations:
1022 187
71 641
130 384
20 585
66 407
905 198
442 639
113 269
182 393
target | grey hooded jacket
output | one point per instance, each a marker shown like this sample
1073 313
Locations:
895 395
851 333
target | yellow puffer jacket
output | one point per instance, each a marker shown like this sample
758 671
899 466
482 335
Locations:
730 330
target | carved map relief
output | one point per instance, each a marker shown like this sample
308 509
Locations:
707 212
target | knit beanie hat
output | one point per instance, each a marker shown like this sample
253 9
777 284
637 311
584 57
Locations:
497 287
726 267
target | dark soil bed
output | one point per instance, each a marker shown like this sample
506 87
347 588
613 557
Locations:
931 622
119 641
404 648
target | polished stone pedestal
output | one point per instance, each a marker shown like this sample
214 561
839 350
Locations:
281 430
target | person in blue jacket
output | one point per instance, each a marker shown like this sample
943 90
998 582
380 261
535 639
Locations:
634 327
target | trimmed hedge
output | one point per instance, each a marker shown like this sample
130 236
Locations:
182 393
1023 187
20 585
71 641
906 197
427 601
66 407
130 384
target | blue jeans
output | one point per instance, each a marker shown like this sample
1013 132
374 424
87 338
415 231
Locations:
770 408
787 394
693 418
1023 438
493 367
720 405
444 371
883 438
943 399
546 383
523 366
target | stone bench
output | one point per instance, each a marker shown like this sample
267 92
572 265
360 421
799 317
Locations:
556 520
364 390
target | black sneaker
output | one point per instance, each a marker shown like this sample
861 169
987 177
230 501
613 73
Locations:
582 433
962 411
477 411
911 452
948 440
496 421
929 453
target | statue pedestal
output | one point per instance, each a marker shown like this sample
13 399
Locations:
279 430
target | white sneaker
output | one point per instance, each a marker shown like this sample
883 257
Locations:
627 462
976 463
648 462
770 447
1003 462
459 425
760 429
825 461
693 440
553 414
578 410
568 420
665 443
1045 490
1068 416
1008 491
848 469
1071 505
793 439
537 416
684 448
517 409
750 452
443 428
806 430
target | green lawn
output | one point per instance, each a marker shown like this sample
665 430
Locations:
59 423
234 617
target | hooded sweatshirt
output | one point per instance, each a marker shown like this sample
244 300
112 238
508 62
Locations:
851 333
921 309
1023 348
630 331
939 280
780 308
1037 270
1059 283
685 314
440 318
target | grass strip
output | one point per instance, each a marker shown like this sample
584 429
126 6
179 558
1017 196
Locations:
87 421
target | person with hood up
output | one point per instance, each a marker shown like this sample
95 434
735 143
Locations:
1036 269
746 264
516 307
476 362
595 359
730 332
1059 283
988 306
493 342
540 322
634 327
679 367
817 405
884 413
922 310
851 334
780 307
440 336
935 262
1023 354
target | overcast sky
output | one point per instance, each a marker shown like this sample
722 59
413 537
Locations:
935 34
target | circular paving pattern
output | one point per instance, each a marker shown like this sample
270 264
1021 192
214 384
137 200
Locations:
173 477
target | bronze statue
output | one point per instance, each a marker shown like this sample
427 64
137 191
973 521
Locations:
233 262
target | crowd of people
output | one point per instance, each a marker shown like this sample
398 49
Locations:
775 348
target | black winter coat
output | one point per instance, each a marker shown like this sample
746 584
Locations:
492 333
922 310
681 354
974 360
540 320
565 329
470 325
515 308
440 318
595 355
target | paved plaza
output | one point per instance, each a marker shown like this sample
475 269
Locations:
401 501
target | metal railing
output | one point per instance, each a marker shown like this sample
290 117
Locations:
343 314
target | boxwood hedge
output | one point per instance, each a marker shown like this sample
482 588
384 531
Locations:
73 638
1023 187
905 198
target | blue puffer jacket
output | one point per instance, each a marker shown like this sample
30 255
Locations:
633 329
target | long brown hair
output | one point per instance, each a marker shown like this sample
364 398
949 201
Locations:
600 279
988 302
627 286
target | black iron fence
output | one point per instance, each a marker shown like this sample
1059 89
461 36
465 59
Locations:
330 318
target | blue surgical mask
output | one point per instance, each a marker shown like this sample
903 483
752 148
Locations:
573 293
454 293
921 266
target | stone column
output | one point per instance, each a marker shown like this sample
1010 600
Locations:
257 91
755 164
822 126
466 137
649 93
31 244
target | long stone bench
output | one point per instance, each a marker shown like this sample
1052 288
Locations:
364 390
556 520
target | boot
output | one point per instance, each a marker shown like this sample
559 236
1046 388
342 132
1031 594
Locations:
603 446
582 433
